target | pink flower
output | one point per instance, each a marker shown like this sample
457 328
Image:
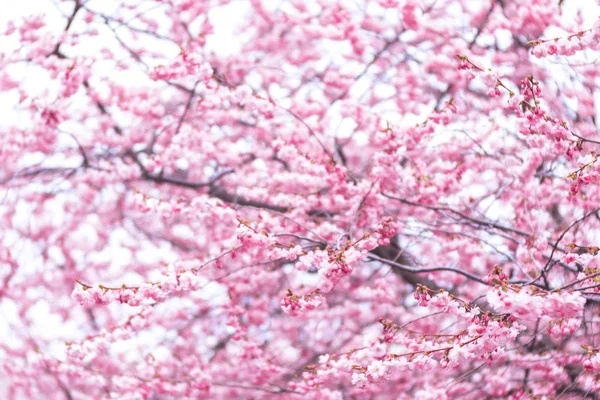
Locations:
377 369
359 379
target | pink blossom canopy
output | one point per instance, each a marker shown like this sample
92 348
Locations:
300 199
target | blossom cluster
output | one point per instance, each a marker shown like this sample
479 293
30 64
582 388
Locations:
149 292
528 304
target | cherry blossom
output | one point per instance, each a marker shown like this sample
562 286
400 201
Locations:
318 199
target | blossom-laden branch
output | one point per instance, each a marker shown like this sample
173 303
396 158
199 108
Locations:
302 199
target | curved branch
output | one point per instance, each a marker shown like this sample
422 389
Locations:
416 270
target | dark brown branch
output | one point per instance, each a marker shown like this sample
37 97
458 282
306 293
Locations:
489 224
186 109
227 197
555 246
416 270
70 19
311 131
482 24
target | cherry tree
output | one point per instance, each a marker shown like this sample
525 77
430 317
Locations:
300 199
